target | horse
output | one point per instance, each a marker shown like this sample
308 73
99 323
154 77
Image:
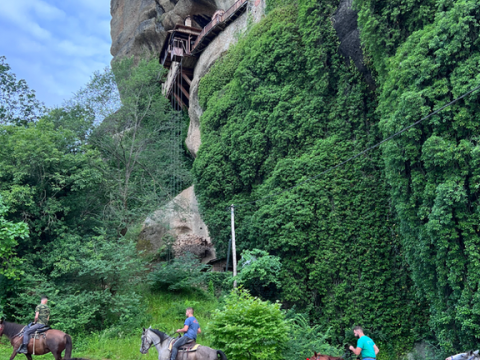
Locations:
470 355
55 341
325 357
161 341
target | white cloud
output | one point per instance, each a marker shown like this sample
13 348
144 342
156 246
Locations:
55 44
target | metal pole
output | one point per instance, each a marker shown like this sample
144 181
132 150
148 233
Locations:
228 253
234 253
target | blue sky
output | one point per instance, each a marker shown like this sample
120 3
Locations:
55 45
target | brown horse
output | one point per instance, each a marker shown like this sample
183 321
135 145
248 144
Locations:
55 341
325 357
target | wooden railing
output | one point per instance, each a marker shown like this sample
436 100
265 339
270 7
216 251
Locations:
217 20
233 9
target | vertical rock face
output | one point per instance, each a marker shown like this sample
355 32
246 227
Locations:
208 57
139 26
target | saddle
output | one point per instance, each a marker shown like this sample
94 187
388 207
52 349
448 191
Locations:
188 347
36 334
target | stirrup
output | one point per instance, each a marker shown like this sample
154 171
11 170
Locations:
23 349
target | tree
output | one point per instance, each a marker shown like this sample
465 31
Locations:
249 328
9 233
18 104
135 141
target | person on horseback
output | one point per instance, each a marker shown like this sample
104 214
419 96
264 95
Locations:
42 316
190 329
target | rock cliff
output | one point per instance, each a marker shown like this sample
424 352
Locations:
139 26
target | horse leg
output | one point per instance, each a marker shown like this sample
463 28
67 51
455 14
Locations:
14 353
29 357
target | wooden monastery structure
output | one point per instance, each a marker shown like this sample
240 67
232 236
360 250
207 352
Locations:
183 46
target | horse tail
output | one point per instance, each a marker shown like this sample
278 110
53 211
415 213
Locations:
68 347
222 355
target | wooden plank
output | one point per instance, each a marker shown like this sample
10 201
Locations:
179 100
185 92
186 78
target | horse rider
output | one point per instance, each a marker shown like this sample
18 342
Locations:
42 315
190 329
365 345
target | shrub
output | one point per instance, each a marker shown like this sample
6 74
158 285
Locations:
259 273
183 273
249 328
305 339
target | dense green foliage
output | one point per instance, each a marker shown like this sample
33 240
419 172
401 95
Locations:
393 233
182 273
434 168
258 272
81 179
291 109
9 233
249 328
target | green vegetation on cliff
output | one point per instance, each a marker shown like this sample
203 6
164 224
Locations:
293 107
390 240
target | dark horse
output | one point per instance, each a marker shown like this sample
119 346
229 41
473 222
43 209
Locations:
55 341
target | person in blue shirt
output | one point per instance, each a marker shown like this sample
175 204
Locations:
190 329
365 345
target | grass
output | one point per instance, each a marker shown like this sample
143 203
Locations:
166 311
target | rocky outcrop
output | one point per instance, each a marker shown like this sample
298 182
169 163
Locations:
345 24
139 26
181 220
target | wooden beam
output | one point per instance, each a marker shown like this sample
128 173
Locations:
179 101
186 78
185 92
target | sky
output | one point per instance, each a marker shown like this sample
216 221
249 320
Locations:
55 45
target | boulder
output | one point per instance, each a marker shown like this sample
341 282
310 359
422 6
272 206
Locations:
181 219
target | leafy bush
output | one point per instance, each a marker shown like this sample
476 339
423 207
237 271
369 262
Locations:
305 339
249 328
183 273
259 273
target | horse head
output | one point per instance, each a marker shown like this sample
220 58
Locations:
146 342
151 337
470 355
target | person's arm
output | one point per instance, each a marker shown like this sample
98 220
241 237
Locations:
36 316
356 351
184 330
199 331
375 347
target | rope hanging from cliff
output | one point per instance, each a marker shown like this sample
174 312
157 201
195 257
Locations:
356 155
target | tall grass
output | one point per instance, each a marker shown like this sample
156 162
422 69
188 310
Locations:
165 311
